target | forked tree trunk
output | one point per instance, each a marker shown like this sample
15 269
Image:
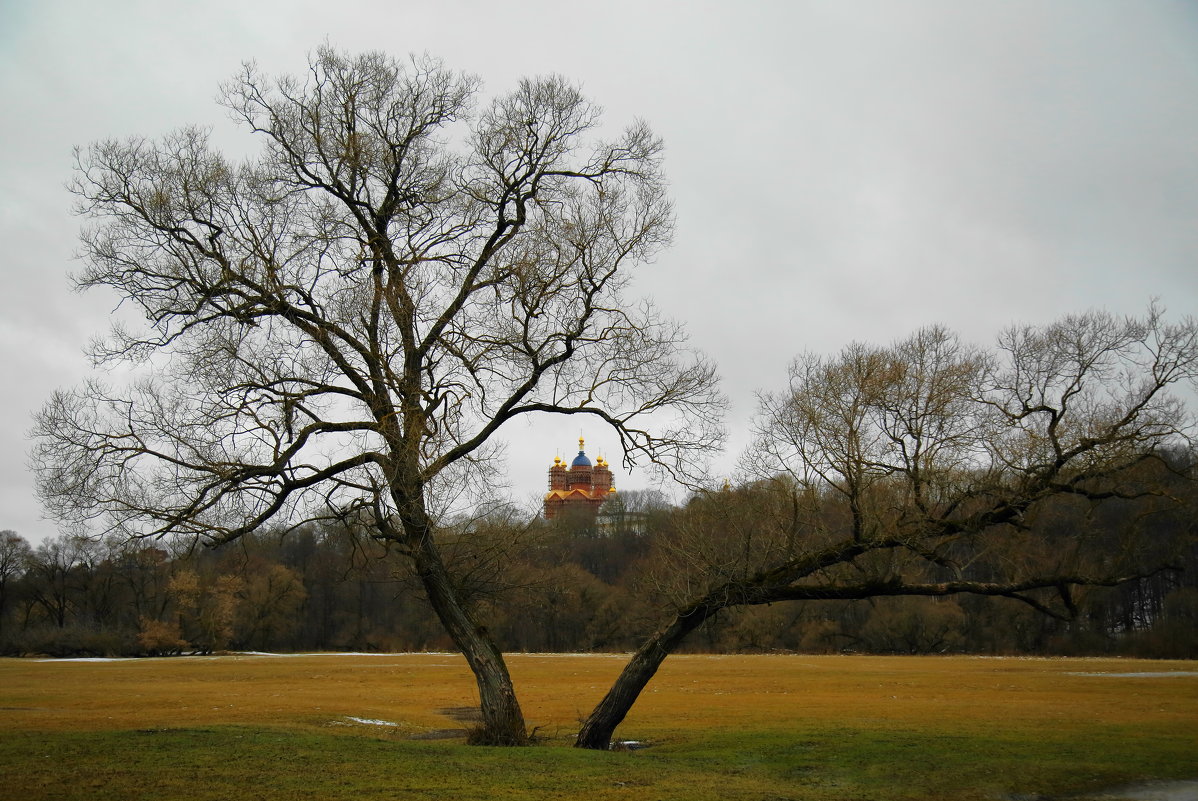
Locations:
503 721
600 725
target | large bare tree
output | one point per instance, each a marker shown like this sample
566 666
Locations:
920 469
15 553
341 324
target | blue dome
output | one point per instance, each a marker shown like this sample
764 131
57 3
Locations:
581 460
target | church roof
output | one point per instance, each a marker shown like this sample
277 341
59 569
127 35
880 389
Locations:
563 494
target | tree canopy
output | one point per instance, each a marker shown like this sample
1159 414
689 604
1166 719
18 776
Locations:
932 468
340 325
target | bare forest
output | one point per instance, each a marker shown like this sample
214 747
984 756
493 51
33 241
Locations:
561 586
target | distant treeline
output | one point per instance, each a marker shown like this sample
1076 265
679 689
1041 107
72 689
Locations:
561 586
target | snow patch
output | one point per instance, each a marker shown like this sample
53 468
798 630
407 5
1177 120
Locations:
628 745
573 655
370 721
1167 674
238 654
341 653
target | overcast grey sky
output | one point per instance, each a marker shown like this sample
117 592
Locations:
842 170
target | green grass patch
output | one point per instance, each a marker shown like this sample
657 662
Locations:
863 763
223 762
236 762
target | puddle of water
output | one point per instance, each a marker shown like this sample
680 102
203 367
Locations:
440 734
1149 791
1155 791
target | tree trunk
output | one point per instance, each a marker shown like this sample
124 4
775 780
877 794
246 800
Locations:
503 721
597 730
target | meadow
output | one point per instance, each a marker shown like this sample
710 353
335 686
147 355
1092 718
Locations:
708 727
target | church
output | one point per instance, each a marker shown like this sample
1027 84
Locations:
582 486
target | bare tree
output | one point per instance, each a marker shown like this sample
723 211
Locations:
59 567
920 469
342 324
15 553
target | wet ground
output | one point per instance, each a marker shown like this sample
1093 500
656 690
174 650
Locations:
1152 791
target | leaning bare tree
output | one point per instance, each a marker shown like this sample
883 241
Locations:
342 324
921 469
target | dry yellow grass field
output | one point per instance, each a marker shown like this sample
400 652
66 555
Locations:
821 722
691 691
